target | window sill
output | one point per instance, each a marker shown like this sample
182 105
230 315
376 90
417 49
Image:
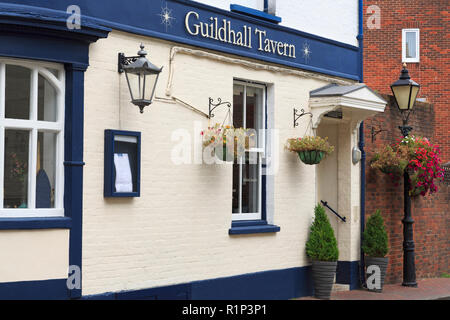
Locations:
35 223
252 227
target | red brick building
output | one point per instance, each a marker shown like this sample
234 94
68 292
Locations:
415 32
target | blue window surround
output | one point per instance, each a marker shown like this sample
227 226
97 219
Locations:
254 13
28 35
109 164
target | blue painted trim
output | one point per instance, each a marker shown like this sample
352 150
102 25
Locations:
55 289
73 175
265 228
42 34
331 57
254 13
35 223
109 169
347 272
266 6
74 163
266 285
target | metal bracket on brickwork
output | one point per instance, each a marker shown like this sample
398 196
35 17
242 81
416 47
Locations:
337 214
375 132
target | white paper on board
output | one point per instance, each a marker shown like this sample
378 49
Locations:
124 181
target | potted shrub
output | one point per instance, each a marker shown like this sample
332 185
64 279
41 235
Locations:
375 245
310 149
228 142
322 248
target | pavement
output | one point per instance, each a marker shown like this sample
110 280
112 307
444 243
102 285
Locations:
428 289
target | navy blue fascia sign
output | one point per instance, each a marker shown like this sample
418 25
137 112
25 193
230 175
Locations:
203 26
122 163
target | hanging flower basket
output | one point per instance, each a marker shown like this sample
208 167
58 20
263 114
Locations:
229 143
310 149
311 157
416 155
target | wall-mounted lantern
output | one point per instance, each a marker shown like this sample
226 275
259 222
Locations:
142 76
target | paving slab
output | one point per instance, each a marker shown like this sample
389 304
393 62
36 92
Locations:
428 289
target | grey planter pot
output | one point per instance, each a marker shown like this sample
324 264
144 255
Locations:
323 273
382 263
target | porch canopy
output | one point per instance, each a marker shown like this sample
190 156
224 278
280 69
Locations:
352 103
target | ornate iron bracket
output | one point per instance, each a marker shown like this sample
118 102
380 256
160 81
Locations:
213 106
124 61
297 116
374 133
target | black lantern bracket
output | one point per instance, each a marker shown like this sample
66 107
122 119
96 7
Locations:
375 132
298 116
124 61
213 106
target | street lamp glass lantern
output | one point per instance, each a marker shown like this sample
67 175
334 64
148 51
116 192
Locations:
142 77
405 91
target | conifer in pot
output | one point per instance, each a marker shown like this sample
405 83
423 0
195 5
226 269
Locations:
322 248
375 247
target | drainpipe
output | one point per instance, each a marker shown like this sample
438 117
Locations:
361 146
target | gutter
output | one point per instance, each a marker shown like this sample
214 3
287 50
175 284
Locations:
360 38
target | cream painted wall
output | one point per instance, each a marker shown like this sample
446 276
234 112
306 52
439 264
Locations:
177 231
33 255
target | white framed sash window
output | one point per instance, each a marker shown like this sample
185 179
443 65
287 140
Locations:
411 45
249 105
31 139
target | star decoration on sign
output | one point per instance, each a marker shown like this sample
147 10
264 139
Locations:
166 17
306 50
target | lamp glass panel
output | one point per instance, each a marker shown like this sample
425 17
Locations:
135 84
414 92
150 82
402 96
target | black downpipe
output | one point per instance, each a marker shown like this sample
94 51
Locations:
361 146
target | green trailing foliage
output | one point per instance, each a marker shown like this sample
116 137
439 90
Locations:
375 238
322 244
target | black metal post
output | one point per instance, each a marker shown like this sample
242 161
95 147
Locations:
409 265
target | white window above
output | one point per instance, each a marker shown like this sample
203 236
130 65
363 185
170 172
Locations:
410 45
31 139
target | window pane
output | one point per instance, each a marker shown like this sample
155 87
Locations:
250 183
17 92
46 100
254 111
46 170
410 44
16 169
236 190
238 106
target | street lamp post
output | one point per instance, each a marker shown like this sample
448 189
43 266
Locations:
405 92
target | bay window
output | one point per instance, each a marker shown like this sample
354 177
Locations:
31 139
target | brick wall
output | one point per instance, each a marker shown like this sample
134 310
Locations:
382 66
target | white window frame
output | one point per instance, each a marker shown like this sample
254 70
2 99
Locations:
239 216
417 58
33 126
